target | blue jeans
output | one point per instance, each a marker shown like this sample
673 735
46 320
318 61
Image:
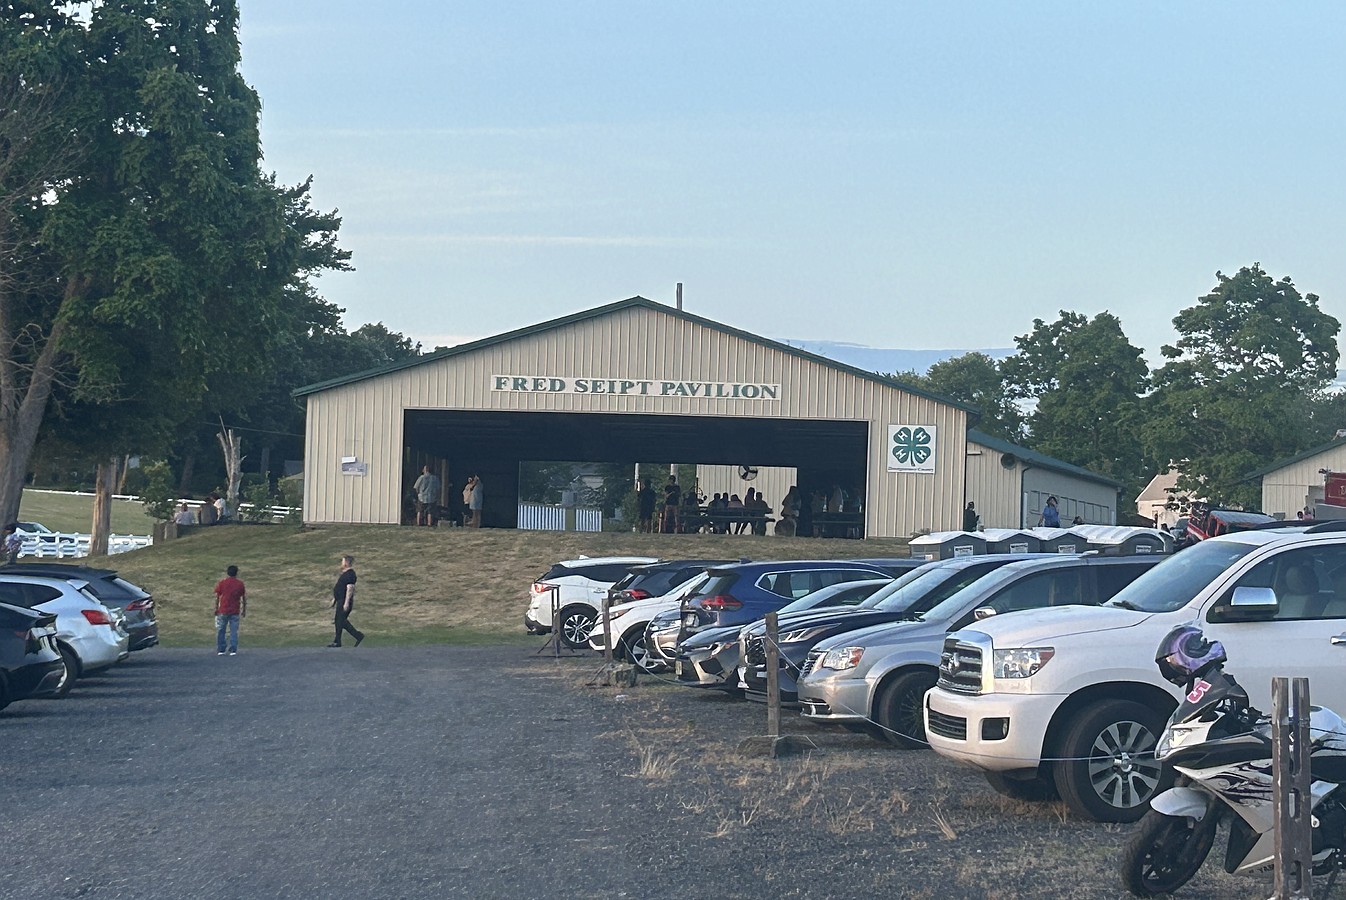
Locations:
221 623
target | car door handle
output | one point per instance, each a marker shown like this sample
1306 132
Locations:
1338 640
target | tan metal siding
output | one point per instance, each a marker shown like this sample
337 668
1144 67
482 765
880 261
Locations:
774 482
1097 503
629 343
1289 489
996 490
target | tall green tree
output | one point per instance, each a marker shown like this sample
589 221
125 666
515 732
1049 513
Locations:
156 260
1087 381
976 379
1252 359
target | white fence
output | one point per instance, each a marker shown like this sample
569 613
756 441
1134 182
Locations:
58 545
541 517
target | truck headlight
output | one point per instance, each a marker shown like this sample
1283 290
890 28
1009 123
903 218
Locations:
843 658
1023 662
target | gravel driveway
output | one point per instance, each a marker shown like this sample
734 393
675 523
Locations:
485 772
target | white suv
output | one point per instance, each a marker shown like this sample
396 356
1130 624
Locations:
88 635
1070 701
580 586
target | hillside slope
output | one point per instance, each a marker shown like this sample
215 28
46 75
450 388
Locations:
416 584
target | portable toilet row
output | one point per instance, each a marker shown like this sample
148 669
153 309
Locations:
1110 539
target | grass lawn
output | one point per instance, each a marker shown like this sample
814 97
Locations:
74 513
421 585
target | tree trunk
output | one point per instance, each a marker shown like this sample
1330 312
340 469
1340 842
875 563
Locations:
233 465
125 463
102 507
188 463
22 405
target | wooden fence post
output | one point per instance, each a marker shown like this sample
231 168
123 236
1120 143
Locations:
772 676
1292 799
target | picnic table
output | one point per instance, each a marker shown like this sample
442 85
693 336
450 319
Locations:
718 518
840 524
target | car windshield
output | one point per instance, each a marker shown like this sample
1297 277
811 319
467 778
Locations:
919 590
846 594
1174 582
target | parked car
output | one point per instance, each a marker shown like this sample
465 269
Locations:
1070 701
116 593
580 585
30 663
878 676
736 595
906 599
629 623
35 529
661 636
658 579
715 643
86 632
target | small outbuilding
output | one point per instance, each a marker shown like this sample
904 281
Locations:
1123 540
1302 482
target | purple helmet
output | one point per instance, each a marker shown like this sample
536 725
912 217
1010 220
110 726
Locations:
1184 653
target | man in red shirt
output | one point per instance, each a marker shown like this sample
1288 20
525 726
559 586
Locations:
231 604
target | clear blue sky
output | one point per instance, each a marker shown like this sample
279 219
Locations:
892 174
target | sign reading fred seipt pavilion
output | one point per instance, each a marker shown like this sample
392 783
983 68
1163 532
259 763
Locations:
637 387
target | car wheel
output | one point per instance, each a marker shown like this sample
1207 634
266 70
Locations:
1109 772
71 672
636 651
1036 789
899 709
576 623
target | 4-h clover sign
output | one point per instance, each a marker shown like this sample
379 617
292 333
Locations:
911 448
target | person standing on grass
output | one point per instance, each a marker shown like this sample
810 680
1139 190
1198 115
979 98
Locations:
231 604
645 505
343 601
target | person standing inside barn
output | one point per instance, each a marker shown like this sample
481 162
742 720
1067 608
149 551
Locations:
970 517
645 505
427 496
343 601
474 502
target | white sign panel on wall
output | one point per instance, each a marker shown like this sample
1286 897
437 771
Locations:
911 448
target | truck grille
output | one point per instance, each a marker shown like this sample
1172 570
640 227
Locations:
952 727
815 656
960 667
754 650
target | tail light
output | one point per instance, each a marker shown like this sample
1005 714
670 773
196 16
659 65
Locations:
96 616
721 602
637 594
540 587
138 605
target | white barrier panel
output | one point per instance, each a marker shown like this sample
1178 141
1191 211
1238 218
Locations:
59 545
541 517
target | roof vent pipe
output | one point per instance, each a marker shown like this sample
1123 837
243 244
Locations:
679 295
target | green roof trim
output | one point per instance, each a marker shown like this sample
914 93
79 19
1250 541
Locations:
1298 457
632 303
1041 460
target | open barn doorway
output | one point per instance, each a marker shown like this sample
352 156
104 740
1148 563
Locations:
457 443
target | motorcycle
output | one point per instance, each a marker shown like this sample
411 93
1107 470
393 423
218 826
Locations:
1221 748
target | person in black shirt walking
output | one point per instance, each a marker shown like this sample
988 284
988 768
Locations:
343 601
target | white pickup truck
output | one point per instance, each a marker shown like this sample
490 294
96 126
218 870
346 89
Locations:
1069 700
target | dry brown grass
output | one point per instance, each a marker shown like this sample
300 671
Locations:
418 584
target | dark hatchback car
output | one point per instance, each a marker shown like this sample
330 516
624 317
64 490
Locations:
736 595
916 592
30 663
658 579
112 591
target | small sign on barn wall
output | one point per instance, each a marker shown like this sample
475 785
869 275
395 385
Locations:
911 448
351 465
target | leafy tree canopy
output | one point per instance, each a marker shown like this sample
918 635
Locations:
1245 384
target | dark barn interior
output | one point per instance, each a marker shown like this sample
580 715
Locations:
457 443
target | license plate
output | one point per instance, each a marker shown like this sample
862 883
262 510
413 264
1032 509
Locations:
677 668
